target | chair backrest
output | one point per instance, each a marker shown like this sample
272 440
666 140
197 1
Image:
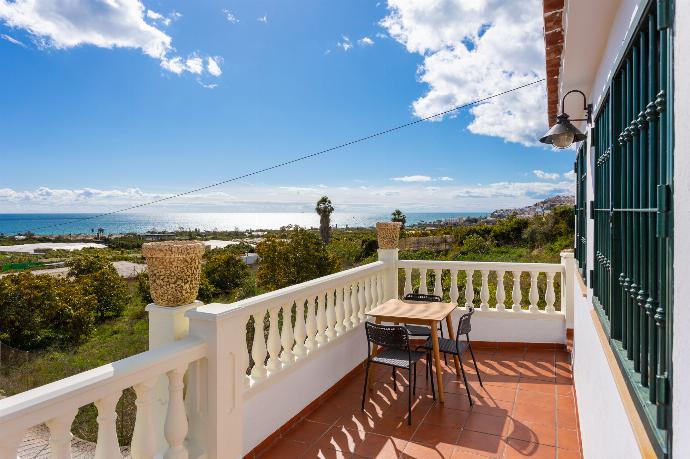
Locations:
464 325
422 297
391 336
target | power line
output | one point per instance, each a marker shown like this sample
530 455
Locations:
292 161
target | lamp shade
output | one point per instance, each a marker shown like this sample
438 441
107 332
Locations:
563 133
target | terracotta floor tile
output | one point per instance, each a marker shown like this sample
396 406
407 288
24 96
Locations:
365 444
567 419
498 408
327 413
566 403
284 449
568 439
544 434
480 444
565 390
433 435
441 416
484 423
536 386
536 397
566 454
395 427
492 393
539 414
317 452
518 449
419 451
306 432
456 402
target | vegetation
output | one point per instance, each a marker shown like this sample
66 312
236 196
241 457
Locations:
398 216
325 208
292 256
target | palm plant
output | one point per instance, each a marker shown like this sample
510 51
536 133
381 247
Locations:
398 216
325 208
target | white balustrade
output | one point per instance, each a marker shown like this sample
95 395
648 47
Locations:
454 294
379 288
534 291
362 300
347 308
9 443
107 446
438 287
61 437
422 281
484 293
340 319
259 348
354 302
287 337
408 281
311 342
144 437
273 343
176 420
517 292
300 350
330 315
550 296
500 291
469 288
320 321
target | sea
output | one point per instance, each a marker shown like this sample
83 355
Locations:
85 223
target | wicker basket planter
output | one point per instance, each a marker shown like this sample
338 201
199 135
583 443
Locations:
388 234
174 268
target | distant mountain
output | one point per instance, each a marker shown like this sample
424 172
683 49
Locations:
536 209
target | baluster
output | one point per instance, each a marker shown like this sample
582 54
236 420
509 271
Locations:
373 281
550 294
287 337
500 291
340 318
329 298
259 348
107 446
355 304
379 287
273 343
369 297
454 294
469 288
533 291
484 293
362 300
438 287
347 321
517 292
176 425
9 443
300 330
422 281
144 438
60 436
311 324
244 355
408 281
321 323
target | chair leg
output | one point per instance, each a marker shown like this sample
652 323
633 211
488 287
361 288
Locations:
445 356
475 364
409 397
366 380
433 391
428 366
464 378
395 384
414 384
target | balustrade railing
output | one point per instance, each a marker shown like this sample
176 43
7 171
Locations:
56 404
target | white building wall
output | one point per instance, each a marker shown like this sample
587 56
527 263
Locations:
606 430
681 312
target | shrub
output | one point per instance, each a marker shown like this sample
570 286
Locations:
87 262
225 271
109 290
144 288
474 243
37 311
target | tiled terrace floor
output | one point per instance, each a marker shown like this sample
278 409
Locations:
525 409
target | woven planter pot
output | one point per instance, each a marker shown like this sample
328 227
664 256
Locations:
388 234
174 268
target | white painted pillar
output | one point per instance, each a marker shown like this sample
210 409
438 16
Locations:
215 401
167 324
390 275
568 288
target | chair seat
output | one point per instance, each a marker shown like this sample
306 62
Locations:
396 357
418 330
445 345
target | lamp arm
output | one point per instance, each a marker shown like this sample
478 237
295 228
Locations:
587 107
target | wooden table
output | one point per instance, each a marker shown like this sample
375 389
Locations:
420 313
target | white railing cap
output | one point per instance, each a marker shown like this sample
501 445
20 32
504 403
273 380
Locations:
217 311
481 265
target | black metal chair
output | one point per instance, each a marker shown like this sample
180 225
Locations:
423 330
394 351
456 347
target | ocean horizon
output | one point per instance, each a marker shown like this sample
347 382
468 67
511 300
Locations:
87 223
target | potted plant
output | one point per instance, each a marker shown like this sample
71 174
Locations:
174 269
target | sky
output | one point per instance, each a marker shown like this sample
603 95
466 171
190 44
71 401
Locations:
110 103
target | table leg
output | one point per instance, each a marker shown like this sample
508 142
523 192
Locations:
451 335
372 368
437 358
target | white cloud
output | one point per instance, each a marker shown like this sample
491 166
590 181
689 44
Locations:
65 24
446 179
546 175
472 49
255 197
263 19
365 41
195 65
213 65
346 44
12 40
232 19
413 178
570 175
207 85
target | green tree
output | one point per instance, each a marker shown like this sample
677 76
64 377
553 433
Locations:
324 208
87 262
110 291
225 271
297 255
37 311
398 216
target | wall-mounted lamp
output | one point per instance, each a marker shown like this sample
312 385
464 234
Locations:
563 133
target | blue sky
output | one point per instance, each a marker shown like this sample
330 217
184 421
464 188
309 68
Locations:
103 109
